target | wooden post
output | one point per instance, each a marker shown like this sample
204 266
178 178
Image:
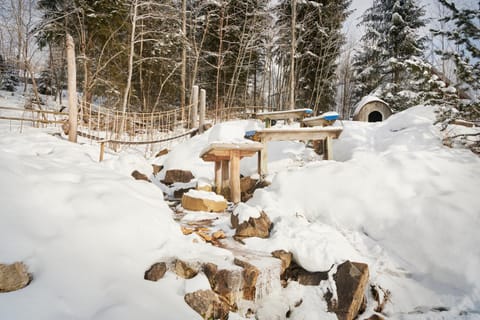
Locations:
225 173
72 90
327 150
262 160
102 150
203 97
235 176
193 121
218 177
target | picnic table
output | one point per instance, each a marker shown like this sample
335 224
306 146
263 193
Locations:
296 114
325 119
227 164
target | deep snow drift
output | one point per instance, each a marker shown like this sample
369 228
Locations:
395 198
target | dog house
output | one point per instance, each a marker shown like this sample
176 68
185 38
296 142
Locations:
371 109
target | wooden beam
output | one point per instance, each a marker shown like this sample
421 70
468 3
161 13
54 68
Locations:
235 176
218 177
328 152
225 173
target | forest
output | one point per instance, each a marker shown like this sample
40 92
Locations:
144 55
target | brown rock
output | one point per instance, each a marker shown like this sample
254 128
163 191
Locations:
351 279
285 257
199 204
156 168
140 176
219 234
254 227
208 304
156 271
250 275
247 184
161 153
375 317
205 187
304 277
185 270
13 276
224 282
178 193
172 176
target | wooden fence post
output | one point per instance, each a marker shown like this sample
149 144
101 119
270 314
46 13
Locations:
72 90
194 121
203 97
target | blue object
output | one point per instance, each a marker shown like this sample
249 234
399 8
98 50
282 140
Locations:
330 117
249 134
308 111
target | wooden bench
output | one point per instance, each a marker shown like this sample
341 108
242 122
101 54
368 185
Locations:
296 114
316 133
227 164
323 120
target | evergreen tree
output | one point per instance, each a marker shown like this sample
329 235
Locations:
391 39
465 35
318 42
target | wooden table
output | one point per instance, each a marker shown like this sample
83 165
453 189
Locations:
326 119
299 114
317 133
227 164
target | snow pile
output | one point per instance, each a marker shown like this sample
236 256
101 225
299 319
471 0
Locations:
395 198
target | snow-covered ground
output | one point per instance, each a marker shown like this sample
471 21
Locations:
394 198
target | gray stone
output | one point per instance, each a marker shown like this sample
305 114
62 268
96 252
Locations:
185 270
13 276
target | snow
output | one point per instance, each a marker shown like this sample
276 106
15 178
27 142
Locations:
364 101
394 197
244 212
199 194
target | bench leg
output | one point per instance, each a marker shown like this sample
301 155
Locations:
235 177
225 173
218 177
328 151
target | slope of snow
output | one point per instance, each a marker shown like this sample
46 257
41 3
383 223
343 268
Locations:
394 197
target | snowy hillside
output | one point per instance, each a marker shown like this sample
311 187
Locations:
394 198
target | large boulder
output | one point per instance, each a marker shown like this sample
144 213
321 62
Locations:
195 200
254 227
156 271
175 175
351 280
286 258
207 304
13 276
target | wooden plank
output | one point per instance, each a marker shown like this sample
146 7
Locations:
218 176
299 134
262 162
283 115
235 176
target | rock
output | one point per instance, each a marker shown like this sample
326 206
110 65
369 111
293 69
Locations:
208 304
178 193
156 169
375 317
224 282
285 257
175 175
140 176
161 153
185 270
13 276
191 202
250 275
351 279
247 184
205 187
254 227
304 277
156 271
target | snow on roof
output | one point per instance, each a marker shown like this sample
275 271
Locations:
364 101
